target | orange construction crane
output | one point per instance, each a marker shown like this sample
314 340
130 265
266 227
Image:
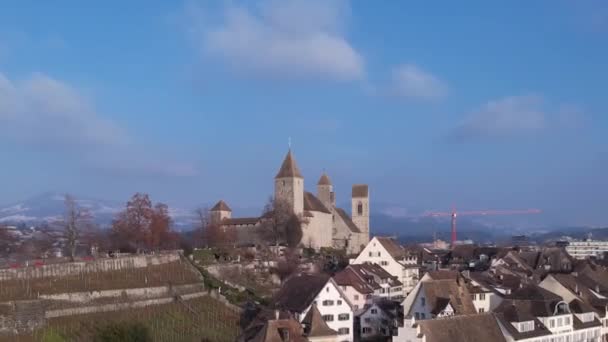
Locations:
454 213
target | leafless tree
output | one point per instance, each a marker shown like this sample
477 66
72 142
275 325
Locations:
280 224
7 240
76 222
203 217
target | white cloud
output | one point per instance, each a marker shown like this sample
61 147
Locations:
44 113
410 81
515 115
43 110
283 38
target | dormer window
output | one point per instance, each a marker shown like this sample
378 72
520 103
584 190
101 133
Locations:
524 326
586 317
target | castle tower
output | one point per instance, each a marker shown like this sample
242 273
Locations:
360 207
219 212
289 184
325 191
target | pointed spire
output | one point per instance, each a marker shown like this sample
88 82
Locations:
221 206
289 168
324 180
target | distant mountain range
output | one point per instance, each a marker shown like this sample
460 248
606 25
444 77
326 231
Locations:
50 206
386 219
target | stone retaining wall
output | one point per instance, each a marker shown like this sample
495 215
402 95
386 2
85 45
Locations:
96 265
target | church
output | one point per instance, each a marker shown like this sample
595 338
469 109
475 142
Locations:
323 223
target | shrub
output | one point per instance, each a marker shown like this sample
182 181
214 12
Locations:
124 332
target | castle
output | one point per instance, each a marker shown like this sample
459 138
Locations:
323 223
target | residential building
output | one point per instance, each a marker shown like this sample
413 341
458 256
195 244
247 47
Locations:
445 296
379 320
468 328
587 248
533 314
301 292
392 257
364 283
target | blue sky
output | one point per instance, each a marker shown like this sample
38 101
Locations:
488 105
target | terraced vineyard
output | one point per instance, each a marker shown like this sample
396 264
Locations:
201 319
176 273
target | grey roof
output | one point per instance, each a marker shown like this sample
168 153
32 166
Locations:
289 168
360 190
298 292
324 180
441 292
221 206
347 220
312 203
482 327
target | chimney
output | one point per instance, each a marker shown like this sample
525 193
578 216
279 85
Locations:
276 315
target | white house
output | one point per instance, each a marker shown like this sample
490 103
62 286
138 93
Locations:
392 257
571 288
365 283
300 292
379 320
533 314
446 295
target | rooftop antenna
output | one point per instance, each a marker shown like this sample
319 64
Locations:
289 142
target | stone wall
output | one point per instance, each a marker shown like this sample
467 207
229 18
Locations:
96 265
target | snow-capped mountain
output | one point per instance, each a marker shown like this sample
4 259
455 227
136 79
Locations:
50 206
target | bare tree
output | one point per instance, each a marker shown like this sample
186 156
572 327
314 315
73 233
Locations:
203 216
7 241
75 223
280 224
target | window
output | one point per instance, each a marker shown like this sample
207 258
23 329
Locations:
552 323
370 254
328 318
328 302
378 253
482 296
473 296
356 307
367 320
384 263
422 301
344 331
367 330
339 302
284 334
356 297
374 311
343 317
567 320
382 290
327 289
360 209
560 322
417 315
422 315
481 310
343 288
526 326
